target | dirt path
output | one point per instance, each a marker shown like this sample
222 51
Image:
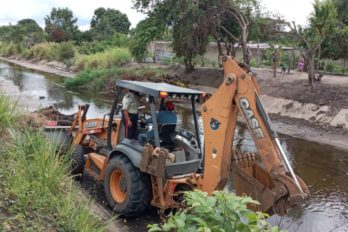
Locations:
52 67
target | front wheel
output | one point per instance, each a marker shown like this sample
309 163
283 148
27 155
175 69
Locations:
77 161
127 190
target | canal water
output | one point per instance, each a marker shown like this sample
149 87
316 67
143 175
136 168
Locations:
323 168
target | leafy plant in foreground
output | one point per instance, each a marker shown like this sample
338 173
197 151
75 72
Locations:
222 212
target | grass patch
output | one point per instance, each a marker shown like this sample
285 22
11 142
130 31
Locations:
8 113
36 191
11 49
51 51
45 51
93 79
107 59
103 79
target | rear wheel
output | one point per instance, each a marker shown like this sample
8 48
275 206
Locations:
127 190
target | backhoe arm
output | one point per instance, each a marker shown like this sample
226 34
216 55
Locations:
271 180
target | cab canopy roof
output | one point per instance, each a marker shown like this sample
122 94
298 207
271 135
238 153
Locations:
154 89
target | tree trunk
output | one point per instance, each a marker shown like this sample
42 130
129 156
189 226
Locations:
344 64
292 59
245 51
189 67
258 55
233 50
220 53
244 46
311 67
319 56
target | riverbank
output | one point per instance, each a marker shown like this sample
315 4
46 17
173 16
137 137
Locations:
317 114
53 67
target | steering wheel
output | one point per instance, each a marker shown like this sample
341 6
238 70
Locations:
143 116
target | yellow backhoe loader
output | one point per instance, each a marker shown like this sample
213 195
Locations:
137 176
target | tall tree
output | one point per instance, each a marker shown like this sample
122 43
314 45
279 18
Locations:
106 22
189 21
228 21
61 25
342 10
146 31
323 22
32 32
26 31
335 46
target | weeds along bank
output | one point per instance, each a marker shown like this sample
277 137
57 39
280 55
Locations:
76 57
36 192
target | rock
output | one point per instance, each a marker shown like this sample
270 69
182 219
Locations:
341 119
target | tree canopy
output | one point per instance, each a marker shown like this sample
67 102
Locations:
61 25
106 22
26 31
193 22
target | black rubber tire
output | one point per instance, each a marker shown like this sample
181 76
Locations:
138 187
78 161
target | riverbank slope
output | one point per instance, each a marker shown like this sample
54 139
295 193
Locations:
318 114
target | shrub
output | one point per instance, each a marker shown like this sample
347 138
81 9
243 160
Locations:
65 51
117 40
10 49
45 51
87 77
107 59
8 112
221 212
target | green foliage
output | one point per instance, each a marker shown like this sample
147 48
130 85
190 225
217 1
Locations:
335 46
65 51
192 24
106 22
324 18
106 59
61 25
26 31
116 40
10 49
37 181
87 77
8 113
51 51
146 31
222 212
96 79
342 11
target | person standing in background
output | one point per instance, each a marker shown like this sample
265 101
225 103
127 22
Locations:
301 61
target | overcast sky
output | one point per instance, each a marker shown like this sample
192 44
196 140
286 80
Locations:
13 10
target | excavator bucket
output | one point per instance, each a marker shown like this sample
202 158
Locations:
275 192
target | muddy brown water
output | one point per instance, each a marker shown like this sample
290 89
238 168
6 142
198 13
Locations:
323 168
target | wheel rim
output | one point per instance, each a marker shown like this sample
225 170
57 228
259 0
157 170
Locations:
118 187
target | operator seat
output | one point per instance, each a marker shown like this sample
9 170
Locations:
167 135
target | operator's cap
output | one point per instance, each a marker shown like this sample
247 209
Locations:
170 105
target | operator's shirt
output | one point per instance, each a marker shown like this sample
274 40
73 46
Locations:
130 103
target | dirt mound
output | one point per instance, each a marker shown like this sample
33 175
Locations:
48 116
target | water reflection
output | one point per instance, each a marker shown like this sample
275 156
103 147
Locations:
49 90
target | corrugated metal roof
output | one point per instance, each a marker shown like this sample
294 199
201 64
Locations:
154 88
